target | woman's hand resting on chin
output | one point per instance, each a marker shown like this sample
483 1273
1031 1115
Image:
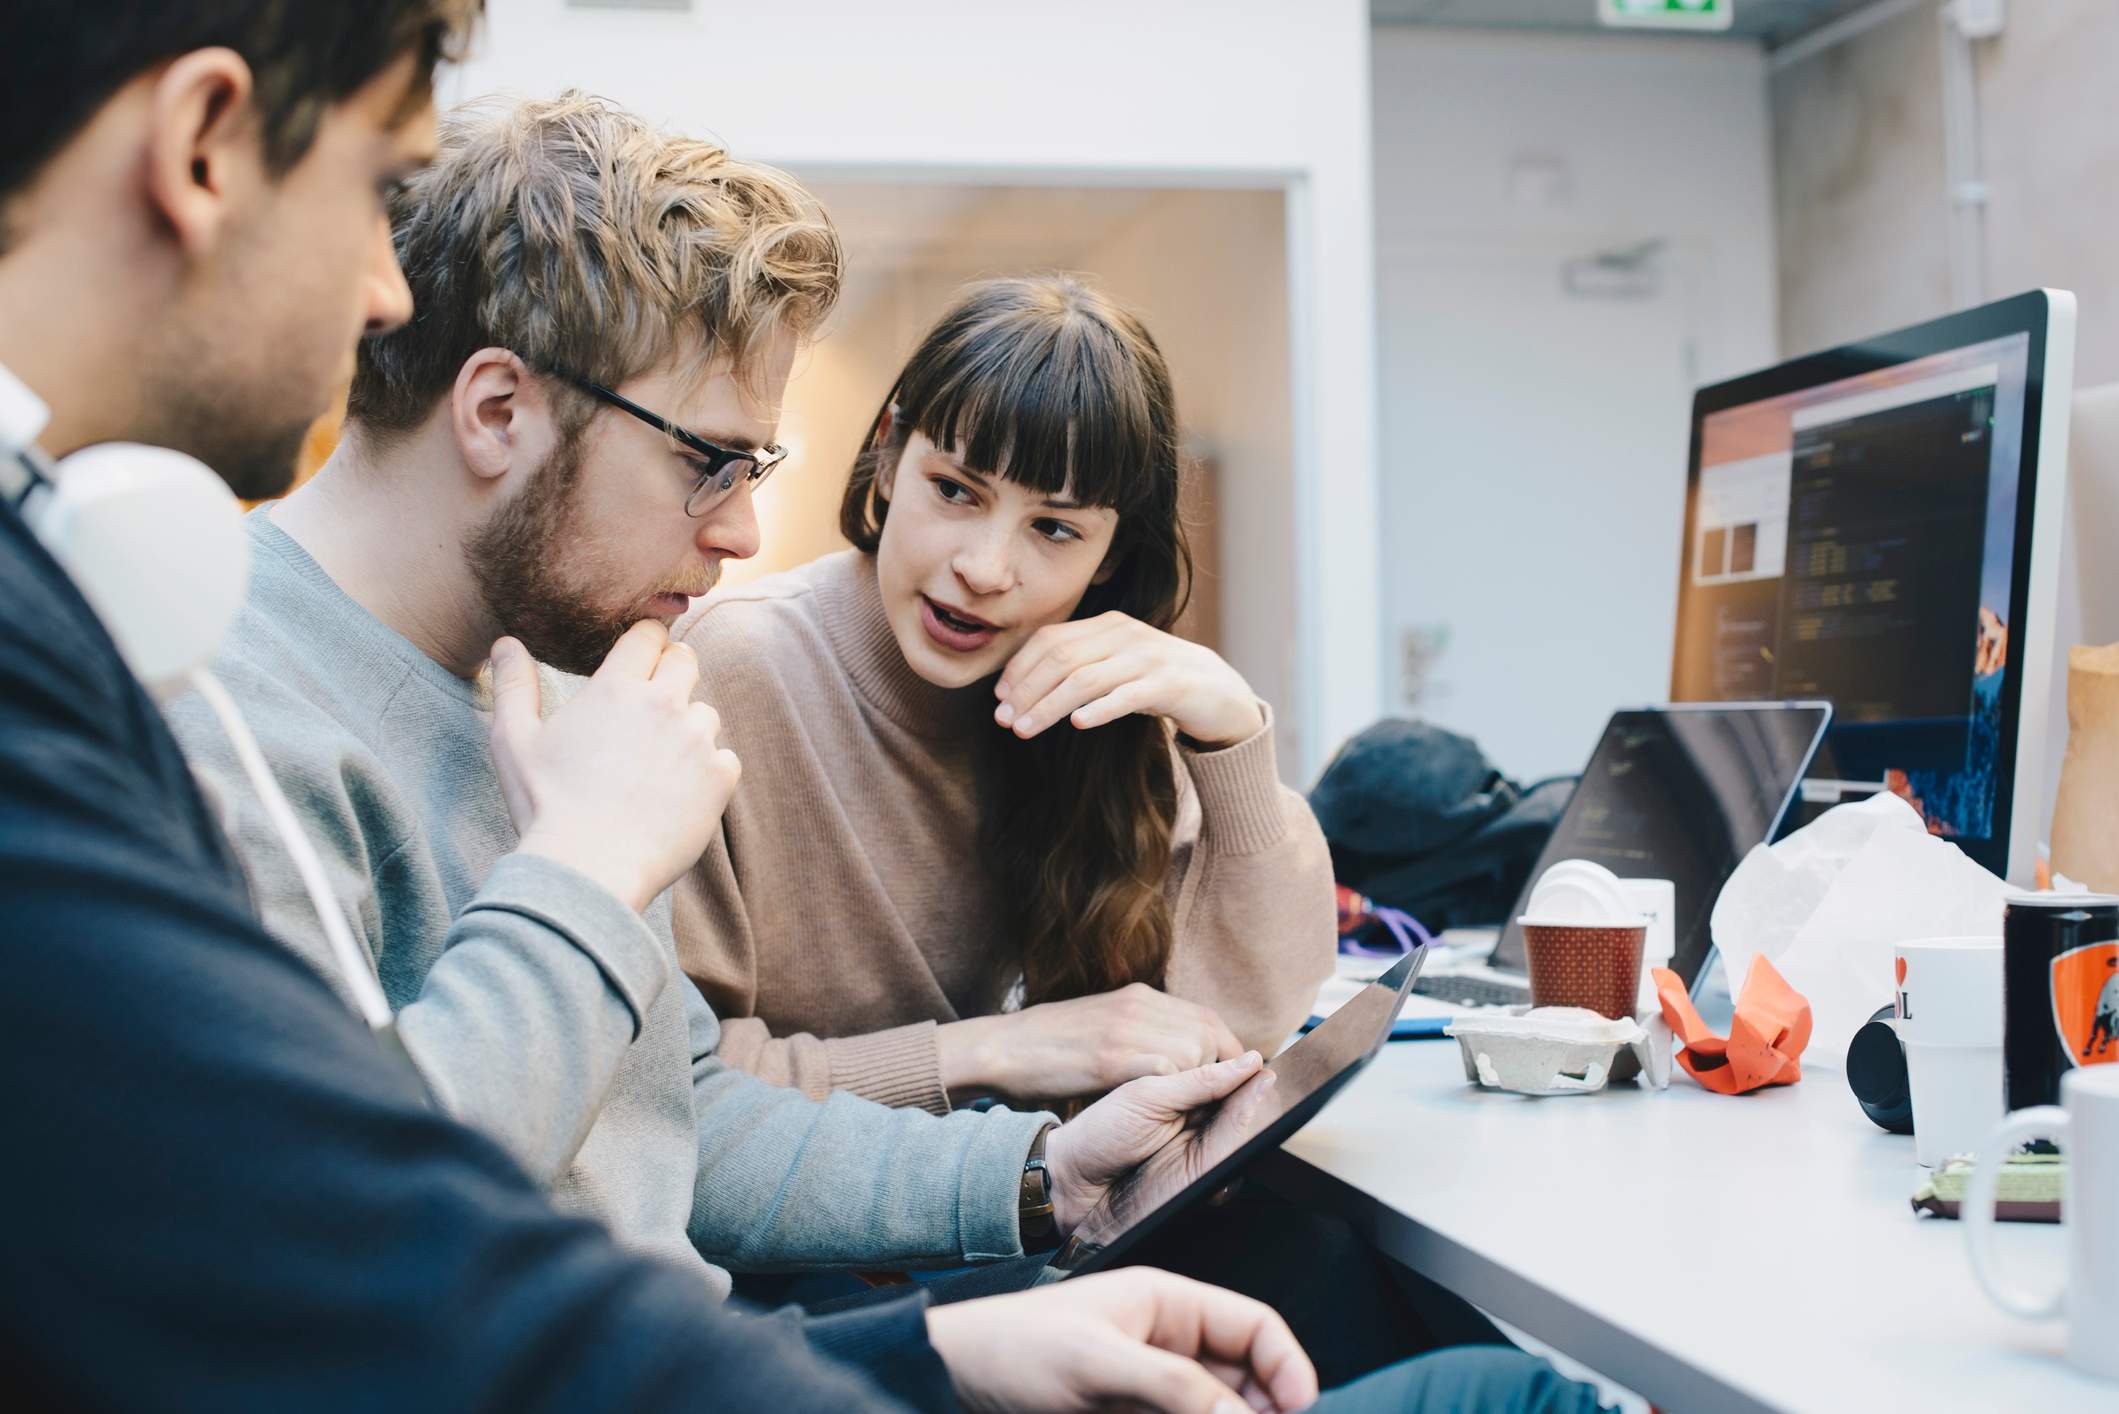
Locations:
1094 671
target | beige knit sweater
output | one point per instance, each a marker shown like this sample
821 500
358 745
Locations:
843 912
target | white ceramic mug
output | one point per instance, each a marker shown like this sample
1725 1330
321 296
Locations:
1950 1022
2086 1125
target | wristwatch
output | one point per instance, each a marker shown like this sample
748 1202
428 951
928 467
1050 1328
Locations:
1033 1208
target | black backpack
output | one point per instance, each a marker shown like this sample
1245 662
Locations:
1419 819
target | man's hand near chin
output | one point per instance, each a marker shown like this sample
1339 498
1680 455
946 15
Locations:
1133 1337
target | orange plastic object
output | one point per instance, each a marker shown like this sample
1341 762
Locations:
1765 1041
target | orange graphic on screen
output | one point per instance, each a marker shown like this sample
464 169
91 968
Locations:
2086 1003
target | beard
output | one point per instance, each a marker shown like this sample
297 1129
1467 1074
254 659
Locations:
517 559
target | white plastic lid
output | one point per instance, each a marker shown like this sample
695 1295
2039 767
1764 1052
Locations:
1580 893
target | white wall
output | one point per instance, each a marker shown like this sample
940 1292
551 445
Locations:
1161 93
1206 271
1534 443
1858 166
1864 217
838 385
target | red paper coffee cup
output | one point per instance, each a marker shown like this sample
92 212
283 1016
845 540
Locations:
1585 965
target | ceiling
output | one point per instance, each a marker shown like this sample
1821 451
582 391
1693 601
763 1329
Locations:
1768 22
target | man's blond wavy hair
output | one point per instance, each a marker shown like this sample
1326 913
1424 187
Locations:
572 233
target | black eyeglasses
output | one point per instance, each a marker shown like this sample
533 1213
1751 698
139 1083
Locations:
725 466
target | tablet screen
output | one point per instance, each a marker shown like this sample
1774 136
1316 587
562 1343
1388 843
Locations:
1256 1117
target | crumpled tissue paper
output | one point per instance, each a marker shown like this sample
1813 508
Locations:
1831 902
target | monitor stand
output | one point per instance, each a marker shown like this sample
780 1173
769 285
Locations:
1822 789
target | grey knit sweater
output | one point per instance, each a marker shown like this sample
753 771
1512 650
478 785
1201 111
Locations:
538 1007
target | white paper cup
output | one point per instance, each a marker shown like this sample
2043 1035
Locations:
1956 1099
1950 1019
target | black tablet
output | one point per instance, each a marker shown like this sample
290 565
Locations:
1256 1118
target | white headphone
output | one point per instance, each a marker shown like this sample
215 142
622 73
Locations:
152 538
155 542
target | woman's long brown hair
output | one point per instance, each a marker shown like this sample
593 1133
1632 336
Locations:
1047 383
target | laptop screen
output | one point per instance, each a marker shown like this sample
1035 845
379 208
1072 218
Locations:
1679 794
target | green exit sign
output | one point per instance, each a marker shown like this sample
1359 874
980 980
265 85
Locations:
1668 14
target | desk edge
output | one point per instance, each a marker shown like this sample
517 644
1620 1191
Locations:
1658 1375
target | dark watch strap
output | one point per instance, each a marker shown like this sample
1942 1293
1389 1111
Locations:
1034 1203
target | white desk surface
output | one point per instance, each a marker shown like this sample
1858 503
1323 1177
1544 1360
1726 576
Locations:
1709 1252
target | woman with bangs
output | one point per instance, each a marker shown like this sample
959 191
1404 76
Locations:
1001 832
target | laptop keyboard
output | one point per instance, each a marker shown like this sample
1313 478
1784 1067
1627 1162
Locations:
1473 991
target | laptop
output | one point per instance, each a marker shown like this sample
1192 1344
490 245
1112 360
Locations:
1680 793
1252 1120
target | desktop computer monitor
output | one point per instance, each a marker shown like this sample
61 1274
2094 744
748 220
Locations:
1880 525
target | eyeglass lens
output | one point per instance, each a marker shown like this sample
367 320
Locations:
714 487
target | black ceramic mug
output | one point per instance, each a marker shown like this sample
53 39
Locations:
2060 991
